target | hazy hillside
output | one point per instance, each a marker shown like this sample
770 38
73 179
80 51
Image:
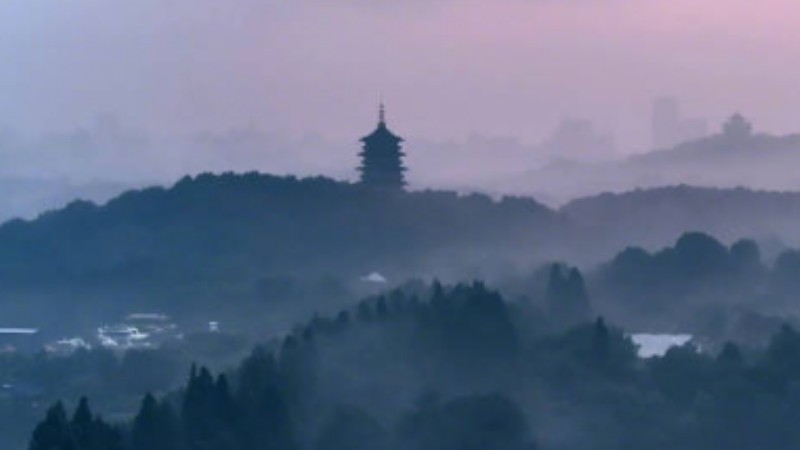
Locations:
28 197
652 217
261 253
287 246
736 156
215 240
453 369
273 222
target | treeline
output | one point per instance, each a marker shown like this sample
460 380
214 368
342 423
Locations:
276 396
459 368
653 217
231 247
235 248
700 285
215 225
31 382
426 338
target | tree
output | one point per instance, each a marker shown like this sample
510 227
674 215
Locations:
267 422
106 437
746 255
197 412
567 299
350 428
54 432
83 425
477 422
146 433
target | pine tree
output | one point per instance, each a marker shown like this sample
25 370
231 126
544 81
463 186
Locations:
146 434
54 432
83 425
567 299
106 437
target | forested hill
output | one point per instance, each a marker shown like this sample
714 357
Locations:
212 224
653 217
235 227
214 241
460 368
724 150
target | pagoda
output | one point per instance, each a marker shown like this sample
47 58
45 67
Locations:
382 157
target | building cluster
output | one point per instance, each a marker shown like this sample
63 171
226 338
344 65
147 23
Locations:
135 331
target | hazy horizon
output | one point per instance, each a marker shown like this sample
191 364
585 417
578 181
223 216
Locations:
447 69
486 93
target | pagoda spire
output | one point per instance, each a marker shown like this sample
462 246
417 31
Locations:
382 113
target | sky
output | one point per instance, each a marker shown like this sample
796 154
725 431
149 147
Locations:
447 69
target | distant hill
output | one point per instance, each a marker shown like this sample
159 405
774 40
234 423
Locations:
27 197
736 142
277 223
720 149
650 217
243 226
734 157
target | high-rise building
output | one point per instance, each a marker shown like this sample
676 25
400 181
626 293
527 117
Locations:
665 122
670 129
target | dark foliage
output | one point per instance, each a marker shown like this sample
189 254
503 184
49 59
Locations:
698 285
397 376
268 244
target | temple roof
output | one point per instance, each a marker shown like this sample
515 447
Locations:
382 132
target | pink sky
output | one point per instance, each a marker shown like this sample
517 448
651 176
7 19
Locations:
447 68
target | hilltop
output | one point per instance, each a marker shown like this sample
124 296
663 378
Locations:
736 156
210 240
235 247
652 217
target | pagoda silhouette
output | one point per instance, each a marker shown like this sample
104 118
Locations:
382 157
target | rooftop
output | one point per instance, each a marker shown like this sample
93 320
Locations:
18 331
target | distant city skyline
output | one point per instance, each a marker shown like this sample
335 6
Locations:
448 69
670 127
491 95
